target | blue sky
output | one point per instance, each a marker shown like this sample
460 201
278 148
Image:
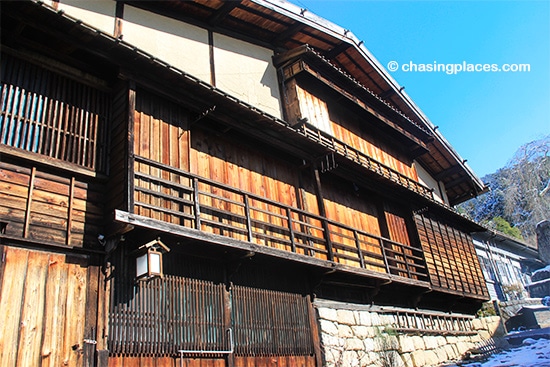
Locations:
486 116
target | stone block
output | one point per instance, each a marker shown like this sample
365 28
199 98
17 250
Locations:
366 359
407 360
331 356
369 344
332 341
345 317
418 342
345 331
432 359
484 334
406 344
360 332
364 318
328 327
451 351
386 342
354 344
463 347
350 358
418 358
388 358
451 339
328 314
430 341
477 324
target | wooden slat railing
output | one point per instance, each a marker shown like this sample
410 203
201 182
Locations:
182 198
362 159
431 323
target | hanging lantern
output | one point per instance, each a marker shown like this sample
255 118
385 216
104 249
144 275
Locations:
149 260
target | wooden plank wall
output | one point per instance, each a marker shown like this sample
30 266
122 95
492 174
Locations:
450 257
161 133
345 204
43 303
57 209
350 129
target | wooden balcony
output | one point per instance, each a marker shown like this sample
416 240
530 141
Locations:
180 198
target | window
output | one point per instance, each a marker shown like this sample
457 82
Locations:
48 114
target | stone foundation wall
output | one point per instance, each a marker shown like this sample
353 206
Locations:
358 335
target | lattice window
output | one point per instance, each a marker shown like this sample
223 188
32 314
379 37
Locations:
270 323
162 316
187 310
46 113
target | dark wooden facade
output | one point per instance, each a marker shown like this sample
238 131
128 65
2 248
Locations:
104 148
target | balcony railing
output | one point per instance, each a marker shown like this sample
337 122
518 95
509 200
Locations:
362 159
179 197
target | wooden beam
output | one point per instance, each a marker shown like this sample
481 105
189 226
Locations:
222 12
130 146
119 17
289 32
322 211
29 203
448 172
342 47
193 234
70 212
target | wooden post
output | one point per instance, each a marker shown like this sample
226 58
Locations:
227 313
197 204
322 212
119 16
29 203
131 164
248 220
70 212
91 316
315 336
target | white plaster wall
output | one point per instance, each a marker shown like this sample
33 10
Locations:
246 71
181 45
427 180
98 13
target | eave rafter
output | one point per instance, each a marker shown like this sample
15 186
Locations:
222 12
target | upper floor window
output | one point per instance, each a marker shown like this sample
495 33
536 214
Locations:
45 113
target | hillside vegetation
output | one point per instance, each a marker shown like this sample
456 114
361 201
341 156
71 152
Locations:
519 195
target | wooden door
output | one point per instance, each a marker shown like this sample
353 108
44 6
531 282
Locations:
43 306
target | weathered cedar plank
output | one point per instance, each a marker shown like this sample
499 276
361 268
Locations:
13 283
74 312
32 310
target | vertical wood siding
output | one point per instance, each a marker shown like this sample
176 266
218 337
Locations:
50 208
45 113
450 257
347 127
161 133
42 300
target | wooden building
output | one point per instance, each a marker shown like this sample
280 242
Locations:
507 264
264 147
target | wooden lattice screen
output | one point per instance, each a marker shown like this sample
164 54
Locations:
45 113
162 316
450 257
192 309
